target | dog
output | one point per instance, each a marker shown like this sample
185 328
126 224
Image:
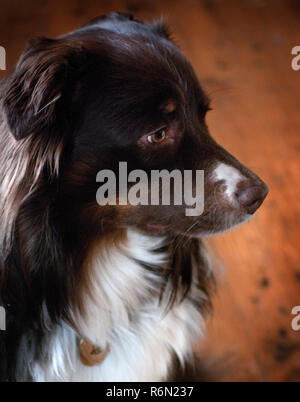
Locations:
107 292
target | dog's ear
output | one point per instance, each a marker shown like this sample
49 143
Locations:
35 89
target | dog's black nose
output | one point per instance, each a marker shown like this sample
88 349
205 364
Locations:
252 196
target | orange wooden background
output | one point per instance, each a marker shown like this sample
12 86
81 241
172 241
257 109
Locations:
241 51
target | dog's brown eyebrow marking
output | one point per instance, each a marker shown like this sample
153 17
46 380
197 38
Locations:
170 106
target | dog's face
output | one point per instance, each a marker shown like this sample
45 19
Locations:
118 90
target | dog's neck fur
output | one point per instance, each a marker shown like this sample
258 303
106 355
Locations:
123 309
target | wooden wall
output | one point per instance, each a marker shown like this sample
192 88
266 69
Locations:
241 51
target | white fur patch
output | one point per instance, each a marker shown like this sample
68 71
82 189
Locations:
123 311
230 176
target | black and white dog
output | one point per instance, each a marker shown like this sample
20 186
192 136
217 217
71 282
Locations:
115 292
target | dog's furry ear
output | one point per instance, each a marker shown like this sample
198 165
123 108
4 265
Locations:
35 89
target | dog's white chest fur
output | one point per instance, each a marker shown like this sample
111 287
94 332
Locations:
122 310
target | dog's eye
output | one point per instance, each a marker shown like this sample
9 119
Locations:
163 137
157 137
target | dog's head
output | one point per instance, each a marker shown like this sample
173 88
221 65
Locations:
119 90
